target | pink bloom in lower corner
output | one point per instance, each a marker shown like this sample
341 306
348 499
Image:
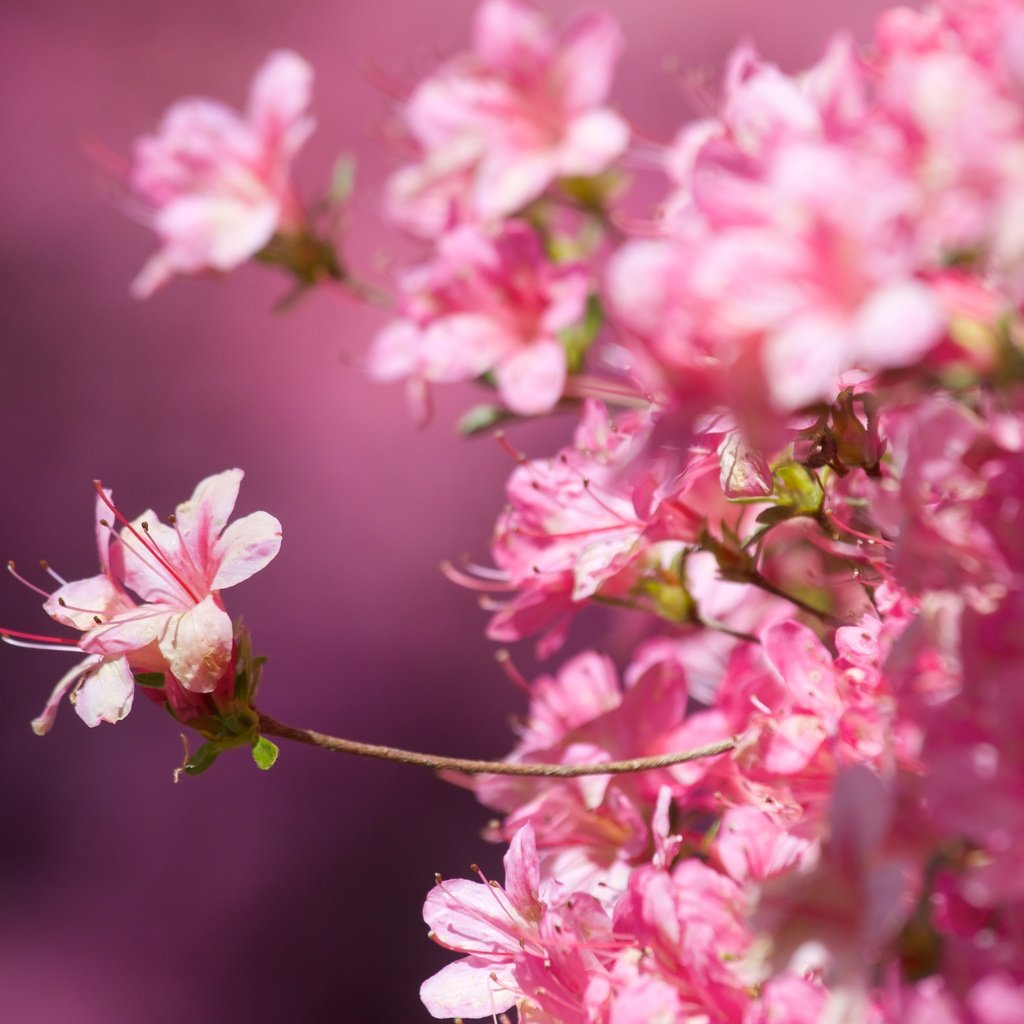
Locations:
216 184
531 944
488 303
155 606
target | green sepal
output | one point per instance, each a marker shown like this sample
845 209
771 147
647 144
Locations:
671 601
151 680
343 179
595 191
798 488
777 514
734 563
578 338
248 667
482 418
202 758
264 753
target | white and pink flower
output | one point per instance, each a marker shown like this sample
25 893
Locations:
155 606
498 125
214 184
489 303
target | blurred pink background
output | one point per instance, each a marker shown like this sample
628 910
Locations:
293 895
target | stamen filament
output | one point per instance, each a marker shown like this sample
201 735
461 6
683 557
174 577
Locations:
146 542
17 633
45 566
10 641
21 579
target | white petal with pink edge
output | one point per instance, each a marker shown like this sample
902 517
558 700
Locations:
77 604
42 724
197 645
473 987
218 232
200 520
278 98
106 693
245 547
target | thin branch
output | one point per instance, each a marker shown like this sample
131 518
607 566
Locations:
766 585
270 727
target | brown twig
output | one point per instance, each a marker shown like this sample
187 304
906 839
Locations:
269 727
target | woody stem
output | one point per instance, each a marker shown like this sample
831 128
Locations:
270 727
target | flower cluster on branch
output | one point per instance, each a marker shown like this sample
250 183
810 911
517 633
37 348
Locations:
798 465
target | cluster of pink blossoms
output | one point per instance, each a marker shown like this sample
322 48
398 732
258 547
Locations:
798 467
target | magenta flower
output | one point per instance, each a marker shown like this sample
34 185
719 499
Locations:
155 606
215 183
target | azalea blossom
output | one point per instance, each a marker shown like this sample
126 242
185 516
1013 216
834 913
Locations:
155 606
491 302
215 184
497 125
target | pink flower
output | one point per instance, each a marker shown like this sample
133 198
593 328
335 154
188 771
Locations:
155 606
215 183
777 280
689 923
525 942
496 126
488 303
592 831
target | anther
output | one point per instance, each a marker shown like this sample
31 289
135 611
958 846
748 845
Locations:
103 522
44 565
437 878
172 519
97 620
62 602
474 868
145 526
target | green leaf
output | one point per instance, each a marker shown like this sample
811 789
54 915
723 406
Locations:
153 680
202 758
264 753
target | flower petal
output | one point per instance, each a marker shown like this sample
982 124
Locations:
42 724
244 548
532 380
473 987
201 519
106 694
278 98
197 645
78 603
589 51
127 632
